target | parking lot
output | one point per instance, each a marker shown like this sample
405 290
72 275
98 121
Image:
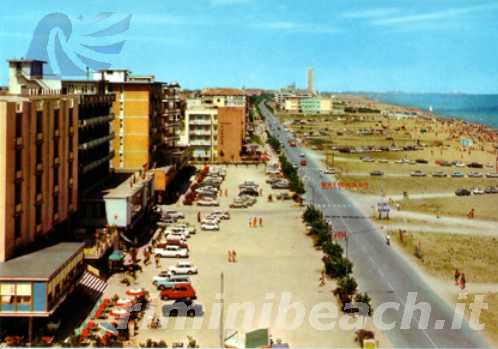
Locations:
273 260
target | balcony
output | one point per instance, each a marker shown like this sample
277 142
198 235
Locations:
38 228
39 137
199 122
200 132
96 163
57 133
56 188
71 155
19 174
199 142
96 121
38 197
39 167
19 142
18 208
56 161
96 142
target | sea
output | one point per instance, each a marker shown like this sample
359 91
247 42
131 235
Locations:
475 108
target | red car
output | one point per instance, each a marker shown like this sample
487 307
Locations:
178 243
180 291
303 162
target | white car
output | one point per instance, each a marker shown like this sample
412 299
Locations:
302 155
478 191
181 235
183 268
206 202
210 220
185 226
176 229
176 237
171 251
220 214
460 164
210 226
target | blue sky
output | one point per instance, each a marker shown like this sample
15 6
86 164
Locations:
360 45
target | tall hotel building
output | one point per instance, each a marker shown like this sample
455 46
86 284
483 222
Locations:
38 157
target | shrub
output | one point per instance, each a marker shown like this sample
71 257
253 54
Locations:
338 267
348 284
332 249
364 299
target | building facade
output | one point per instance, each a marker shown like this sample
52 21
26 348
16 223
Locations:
38 167
216 124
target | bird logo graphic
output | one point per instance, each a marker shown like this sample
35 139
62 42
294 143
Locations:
71 47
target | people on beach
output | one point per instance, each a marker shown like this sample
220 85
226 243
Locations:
457 276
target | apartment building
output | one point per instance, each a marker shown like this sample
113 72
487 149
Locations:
138 101
307 105
38 167
216 124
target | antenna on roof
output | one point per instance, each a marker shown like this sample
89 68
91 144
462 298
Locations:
87 73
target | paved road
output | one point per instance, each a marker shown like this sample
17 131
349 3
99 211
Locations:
378 268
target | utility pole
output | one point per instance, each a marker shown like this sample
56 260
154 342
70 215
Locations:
222 312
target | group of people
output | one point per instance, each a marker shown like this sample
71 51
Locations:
253 222
459 279
232 256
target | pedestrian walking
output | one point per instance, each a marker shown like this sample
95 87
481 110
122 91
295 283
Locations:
462 281
230 256
234 256
226 192
254 222
198 217
158 261
261 221
250 222
457 276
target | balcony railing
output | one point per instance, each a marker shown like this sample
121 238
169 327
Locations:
96 142
98 120
199 122
198 142
200 132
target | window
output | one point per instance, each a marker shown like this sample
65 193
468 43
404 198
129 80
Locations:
18 125
38 184
38 215
17 226
56 176
56 203
39 122
18 190
23 293
70 140
56 119
18 159
7 293
56 148
38 154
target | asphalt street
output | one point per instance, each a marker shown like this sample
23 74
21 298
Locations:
378 268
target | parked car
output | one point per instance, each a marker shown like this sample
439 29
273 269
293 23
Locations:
421 161
492 175
458 174
475 165
174 214
171 281
282 184
491 190
206 202
221 214
186 226
210 226
439 174
284 196
418 173
462 192
376 173
367 159
167 220
163 275
176 229
459 164
478 191
182 308
475 175
170 237
183 268
238 204
182 235
383 161
179 291
329 171
249 191
180 243
171 251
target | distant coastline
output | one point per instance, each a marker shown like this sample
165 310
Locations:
481 109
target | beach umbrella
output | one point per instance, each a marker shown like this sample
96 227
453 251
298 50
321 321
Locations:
120 312
124 302
108 328
136 292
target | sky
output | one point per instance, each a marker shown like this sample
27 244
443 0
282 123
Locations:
352 45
